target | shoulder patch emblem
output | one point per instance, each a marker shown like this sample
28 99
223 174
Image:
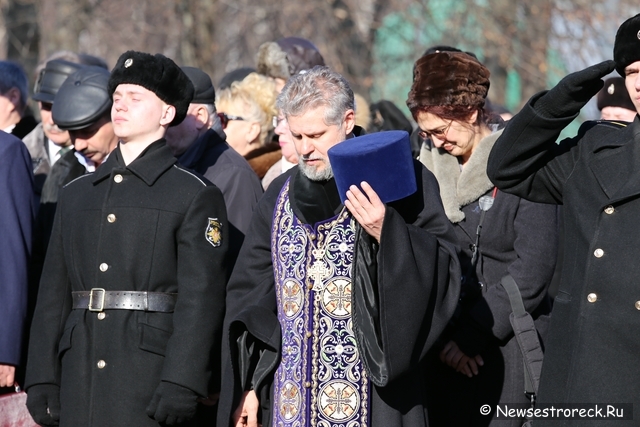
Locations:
213 233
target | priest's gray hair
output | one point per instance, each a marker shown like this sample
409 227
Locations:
315 88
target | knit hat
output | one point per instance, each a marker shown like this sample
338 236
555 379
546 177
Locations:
448 79
204 93
626 48
82 99
614 94
51 78
158 74
287 57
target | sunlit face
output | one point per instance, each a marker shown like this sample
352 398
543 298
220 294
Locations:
96 141
632 82
240 135
457 138
51 130
285 140
138 113
617 113
312 138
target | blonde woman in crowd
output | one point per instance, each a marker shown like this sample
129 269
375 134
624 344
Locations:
246 111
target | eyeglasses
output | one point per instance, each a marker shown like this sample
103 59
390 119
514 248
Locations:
224 119
438 133
277 120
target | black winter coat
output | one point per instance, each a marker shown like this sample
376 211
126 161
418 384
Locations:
593 344
517 237
213 158
156 242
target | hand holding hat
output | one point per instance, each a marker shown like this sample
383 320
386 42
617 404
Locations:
574 91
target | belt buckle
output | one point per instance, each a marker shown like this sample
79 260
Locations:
100 299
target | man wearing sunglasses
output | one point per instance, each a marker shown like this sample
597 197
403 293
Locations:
198 145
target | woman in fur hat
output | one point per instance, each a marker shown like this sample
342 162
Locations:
479 361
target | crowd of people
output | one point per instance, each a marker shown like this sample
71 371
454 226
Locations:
273 251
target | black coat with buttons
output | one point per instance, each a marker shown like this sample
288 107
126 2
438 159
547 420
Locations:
593 344
139 227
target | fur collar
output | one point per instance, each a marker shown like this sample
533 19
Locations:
458 187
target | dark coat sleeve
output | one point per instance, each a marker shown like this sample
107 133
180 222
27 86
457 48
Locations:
527 162
16 218
402 306
201 293
52 310
535 248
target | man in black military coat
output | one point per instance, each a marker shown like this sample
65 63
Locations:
132 293
593 343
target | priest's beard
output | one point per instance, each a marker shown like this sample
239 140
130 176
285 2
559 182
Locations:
314 174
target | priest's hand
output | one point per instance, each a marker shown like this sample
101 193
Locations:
366 208
247 413
455 358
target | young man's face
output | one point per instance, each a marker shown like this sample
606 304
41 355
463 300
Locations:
632 82
96 141
138 114
312 138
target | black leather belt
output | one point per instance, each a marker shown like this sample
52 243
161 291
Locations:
97 299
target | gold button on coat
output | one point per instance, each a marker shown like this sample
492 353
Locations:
111 218
101 316
598 253
309 334
609 210
101 364
307 384
117 178
637 305
104 267
592 297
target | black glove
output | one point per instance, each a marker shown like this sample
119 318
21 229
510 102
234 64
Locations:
172 404
43 403
574 91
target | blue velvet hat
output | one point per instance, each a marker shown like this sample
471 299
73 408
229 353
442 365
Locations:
382 159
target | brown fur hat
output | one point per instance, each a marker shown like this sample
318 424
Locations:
287 56
448 79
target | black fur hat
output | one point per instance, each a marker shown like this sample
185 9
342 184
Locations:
614 94
158 74
626 48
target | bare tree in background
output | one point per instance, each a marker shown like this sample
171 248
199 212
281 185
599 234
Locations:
19 32
511 36
517 36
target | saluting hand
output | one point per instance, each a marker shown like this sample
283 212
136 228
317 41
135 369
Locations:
366 208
